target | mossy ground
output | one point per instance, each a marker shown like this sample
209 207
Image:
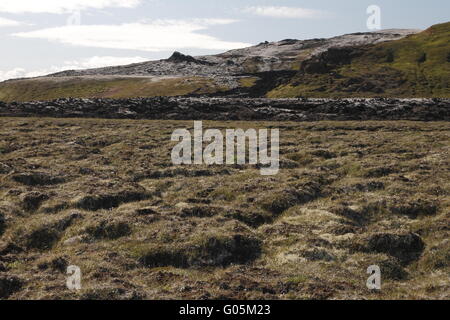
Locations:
49 89
103 195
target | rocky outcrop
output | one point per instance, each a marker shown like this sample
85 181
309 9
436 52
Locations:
330 60
178 57
176 108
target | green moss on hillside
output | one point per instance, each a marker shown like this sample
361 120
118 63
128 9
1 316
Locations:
48 89
416 66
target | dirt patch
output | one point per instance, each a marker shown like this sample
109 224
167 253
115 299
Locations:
414 208
45 235
253 219
108 201
32 200
109 230
200 211
280 201
37 179
2 223
209 251
405 247
9 285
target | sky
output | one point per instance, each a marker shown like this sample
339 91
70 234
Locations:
46 36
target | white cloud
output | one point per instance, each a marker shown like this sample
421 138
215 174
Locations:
155 36
12 74
87 63
61 6
9 23
105 61
284 12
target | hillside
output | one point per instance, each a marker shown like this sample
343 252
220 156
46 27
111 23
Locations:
415 66
389 63
249 71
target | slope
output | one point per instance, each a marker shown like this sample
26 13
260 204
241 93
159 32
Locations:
251 72
415 66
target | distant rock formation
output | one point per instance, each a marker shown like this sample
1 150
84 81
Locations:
178 57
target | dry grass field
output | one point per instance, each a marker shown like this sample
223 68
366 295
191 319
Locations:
103 195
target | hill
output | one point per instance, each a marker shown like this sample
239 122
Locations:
415 66
252 71
389 63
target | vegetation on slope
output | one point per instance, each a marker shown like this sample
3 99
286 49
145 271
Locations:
49 89
416 66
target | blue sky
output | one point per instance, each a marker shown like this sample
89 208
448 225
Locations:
44 36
